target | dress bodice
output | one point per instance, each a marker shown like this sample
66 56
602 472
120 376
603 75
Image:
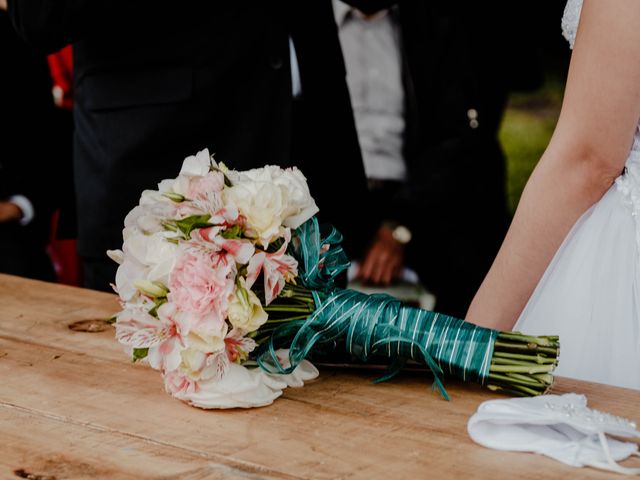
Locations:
570 20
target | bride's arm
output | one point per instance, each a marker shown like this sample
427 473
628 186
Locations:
600 112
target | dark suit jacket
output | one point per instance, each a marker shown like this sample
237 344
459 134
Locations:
459 58
155 84
27 154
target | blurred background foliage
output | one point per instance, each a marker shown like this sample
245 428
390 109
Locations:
531 116
525 132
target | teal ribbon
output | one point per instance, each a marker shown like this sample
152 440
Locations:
373 324
321 258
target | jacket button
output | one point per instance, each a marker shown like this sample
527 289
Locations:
472 115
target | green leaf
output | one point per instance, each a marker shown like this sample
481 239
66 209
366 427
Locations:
232 233
169 225
174 197
188 224
140 353
158 303
275 245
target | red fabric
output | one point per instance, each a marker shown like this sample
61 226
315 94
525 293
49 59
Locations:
61 67
64 256
63 253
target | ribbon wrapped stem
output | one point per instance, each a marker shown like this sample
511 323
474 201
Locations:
381 325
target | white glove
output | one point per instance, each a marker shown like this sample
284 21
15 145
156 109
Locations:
559 426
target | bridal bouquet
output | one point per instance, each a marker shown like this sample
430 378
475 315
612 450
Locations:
226 283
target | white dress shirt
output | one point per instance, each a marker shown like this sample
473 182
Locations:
25 205
296 85
371 49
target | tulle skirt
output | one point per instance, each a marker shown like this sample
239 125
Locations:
590 296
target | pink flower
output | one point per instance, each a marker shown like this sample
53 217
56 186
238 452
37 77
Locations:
201 283
237 346
239 249
196 367
202 188
188 208
227 215
162 336
276 267
178 384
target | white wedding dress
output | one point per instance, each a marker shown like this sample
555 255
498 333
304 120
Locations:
590 293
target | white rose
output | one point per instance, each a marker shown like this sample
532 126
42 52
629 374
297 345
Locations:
301 206
245 310
262 204
199 361
148 218
298 204
195 366
207 341
268 172
154 252
127 274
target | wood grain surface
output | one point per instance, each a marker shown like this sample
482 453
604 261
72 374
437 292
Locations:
72 406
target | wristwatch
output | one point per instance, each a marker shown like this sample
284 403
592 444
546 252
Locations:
400 233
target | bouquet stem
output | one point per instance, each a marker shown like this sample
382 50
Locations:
523 374
520 365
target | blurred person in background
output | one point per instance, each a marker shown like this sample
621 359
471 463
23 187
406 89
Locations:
28 186
429 83
257 82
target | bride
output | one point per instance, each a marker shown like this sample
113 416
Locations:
570 263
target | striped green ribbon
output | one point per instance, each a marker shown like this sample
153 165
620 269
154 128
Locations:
373 324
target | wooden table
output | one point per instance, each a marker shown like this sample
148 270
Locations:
73 406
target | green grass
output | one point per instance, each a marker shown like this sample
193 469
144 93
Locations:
525 132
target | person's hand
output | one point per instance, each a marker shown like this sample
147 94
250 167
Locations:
9 212
384 261
3 4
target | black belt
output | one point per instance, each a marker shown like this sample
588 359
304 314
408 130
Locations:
384 186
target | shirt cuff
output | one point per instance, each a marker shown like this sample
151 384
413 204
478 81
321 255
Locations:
25 205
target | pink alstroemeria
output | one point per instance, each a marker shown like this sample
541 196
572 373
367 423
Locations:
237 346
227 215
237 349
162 336
277 267
240 249
177 383
205 187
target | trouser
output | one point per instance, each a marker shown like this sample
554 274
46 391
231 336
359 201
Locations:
99 273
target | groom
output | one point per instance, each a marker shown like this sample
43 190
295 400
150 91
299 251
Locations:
258 82
428 129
